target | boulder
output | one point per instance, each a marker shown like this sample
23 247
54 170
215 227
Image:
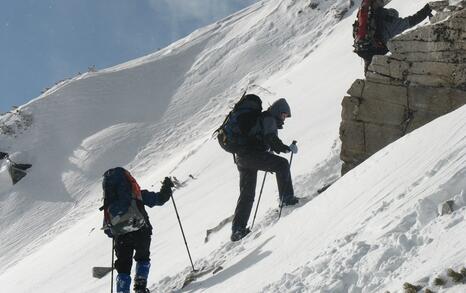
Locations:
423 79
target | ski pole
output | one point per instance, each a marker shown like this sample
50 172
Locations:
258 200
113 258
281 201
182 232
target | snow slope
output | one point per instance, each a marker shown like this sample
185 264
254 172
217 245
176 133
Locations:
370 232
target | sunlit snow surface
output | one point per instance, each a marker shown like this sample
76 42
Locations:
373 230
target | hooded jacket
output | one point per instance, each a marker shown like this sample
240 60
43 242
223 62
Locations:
266 129
389 24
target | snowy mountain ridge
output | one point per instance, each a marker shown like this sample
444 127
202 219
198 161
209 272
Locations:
369 232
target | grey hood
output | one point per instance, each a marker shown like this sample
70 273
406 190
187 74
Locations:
278 107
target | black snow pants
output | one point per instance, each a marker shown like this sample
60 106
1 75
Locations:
248 163
126 244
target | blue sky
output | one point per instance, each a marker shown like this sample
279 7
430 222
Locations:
44 41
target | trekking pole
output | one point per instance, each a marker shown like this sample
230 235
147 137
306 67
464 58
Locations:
281 201
182 232
113 258
258 200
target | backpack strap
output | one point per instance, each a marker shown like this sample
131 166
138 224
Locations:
136 192
229 114
240 100
135 188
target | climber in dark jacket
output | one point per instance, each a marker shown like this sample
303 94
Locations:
123 189
257 157
389 24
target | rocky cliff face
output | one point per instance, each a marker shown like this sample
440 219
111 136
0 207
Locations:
422 79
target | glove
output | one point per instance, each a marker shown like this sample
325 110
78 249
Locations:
427 10
167 183
420 15
293 148
284 149
166 189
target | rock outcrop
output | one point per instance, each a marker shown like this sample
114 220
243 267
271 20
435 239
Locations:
422 79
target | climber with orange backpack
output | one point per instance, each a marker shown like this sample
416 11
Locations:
376 25
127 222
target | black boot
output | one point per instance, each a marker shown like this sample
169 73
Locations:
140 286
290 200
239 234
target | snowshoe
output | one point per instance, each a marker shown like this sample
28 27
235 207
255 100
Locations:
194 275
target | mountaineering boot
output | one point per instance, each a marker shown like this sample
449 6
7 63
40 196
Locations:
239 234
140 280
290 200
140 285
123 283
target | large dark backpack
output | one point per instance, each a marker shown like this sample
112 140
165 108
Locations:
366 32
233 134
132 216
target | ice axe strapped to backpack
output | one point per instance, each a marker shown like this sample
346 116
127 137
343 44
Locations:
233 134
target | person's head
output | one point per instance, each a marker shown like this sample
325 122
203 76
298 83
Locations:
280 110
392 13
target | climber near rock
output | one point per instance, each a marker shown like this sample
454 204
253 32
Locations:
376 25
